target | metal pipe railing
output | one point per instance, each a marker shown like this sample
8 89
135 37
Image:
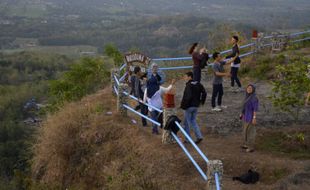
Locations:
116 91
217 181
173 59
246 54
192 142
266 45
190 58
123 66
140 114
300 40
123 77
190 66
299 33
149 105
116 80
204 176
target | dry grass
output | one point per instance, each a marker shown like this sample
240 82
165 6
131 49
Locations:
81 147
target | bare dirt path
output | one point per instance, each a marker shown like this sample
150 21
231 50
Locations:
222 140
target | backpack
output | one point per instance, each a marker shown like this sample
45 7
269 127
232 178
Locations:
171 126
250 177
204 62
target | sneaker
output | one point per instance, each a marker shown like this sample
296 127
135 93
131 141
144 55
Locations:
223 107
239 89
155 132
198 141
217 109
233 89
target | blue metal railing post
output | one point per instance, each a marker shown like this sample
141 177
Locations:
149 105
217 181
192 142
140 114
204 176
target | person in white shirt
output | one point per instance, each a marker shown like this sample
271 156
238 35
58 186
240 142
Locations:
156 101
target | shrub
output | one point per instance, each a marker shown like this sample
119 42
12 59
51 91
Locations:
111 51
83 78
290 88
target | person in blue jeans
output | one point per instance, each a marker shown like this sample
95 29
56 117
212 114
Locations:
194 95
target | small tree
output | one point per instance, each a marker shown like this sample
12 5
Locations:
290 88
111 51
84 77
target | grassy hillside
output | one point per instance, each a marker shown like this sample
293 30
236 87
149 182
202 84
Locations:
81 147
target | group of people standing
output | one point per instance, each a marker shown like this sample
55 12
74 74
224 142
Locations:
250 104
148 89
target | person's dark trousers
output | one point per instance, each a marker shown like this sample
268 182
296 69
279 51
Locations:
138 107
234 76
144 111
154 115
217 93
196 74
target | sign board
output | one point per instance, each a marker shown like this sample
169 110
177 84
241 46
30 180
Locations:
137 59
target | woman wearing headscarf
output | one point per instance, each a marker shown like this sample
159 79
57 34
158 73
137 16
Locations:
248 115
200 58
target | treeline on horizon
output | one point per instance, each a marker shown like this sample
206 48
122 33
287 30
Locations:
161 36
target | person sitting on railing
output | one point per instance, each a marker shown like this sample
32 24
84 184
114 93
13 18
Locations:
235 65
194 95
200 58
153 96
136 90
219 73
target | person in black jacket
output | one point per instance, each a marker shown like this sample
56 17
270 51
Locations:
235 65
136 90
194 95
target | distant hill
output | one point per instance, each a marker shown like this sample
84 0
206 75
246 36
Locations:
272 13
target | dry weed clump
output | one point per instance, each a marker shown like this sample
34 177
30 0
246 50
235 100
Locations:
81 147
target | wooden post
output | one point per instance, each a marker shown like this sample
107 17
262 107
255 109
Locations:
214 166
169 110
122 99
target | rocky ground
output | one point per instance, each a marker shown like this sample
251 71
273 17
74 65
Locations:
222 140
